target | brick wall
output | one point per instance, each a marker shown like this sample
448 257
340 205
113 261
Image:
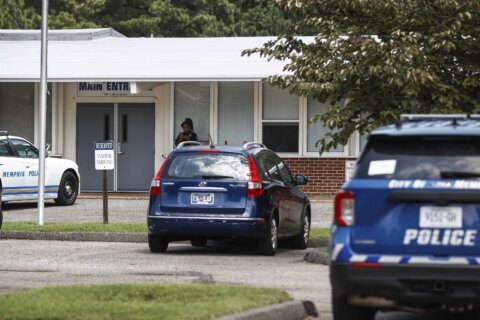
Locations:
325 175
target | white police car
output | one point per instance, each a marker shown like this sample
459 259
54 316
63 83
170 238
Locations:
406 231
19 174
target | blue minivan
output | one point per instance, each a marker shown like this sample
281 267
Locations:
213 192
405 232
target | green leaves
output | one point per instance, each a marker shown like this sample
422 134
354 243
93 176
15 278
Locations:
14 15
160 18
378 59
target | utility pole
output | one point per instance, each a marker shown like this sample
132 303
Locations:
43 112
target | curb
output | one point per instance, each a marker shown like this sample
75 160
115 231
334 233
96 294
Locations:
103 237
290 310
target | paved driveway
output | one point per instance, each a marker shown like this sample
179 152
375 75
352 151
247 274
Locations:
29 264
120 210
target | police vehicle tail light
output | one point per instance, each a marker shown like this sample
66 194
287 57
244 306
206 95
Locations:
255 183
155 186
344 208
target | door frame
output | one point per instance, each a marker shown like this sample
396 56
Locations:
116 101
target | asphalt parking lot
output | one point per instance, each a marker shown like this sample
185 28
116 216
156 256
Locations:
88 209
29 264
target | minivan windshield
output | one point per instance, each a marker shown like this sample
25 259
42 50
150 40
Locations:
420 158
209 166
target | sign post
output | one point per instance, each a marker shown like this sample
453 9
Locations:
104 160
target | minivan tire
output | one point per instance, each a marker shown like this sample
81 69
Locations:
199 242
342 310
157 244
269 245
301 241
68 190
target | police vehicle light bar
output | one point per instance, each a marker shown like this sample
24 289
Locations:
3 133
433 117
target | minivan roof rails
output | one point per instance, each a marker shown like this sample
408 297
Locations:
185 144
251 145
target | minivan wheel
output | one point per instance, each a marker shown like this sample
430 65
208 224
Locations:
301 241
157 244
268 246
342 310
199 242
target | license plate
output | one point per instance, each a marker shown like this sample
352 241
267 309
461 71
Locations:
203 198
441 217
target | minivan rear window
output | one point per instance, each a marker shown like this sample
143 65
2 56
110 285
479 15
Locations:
420 158
214 166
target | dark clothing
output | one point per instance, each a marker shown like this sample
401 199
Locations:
192 136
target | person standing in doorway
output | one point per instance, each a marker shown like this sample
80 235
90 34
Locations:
188 134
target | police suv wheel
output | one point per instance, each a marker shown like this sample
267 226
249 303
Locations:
269 245
301 241
342 310
68 190
157 244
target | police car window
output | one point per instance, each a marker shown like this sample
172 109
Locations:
5 149
209 166
24 149
420 158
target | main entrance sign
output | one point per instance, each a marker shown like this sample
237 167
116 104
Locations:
107 89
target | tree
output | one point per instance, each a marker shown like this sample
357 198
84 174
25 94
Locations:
167 18
14 15
374 60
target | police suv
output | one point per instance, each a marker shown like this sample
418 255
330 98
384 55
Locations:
19 174
405 233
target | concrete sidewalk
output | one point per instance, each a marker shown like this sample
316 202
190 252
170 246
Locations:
122 208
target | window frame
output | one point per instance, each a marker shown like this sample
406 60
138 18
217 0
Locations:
261 121
330 154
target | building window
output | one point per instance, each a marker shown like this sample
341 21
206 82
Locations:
317 131
280 120
17 105
192 100
235 112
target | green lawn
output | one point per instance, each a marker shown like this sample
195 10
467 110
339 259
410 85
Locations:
320 233
135 302
116 227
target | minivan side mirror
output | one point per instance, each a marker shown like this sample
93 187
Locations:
300 180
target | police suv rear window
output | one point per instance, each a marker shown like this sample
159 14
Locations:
420 158
205 166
